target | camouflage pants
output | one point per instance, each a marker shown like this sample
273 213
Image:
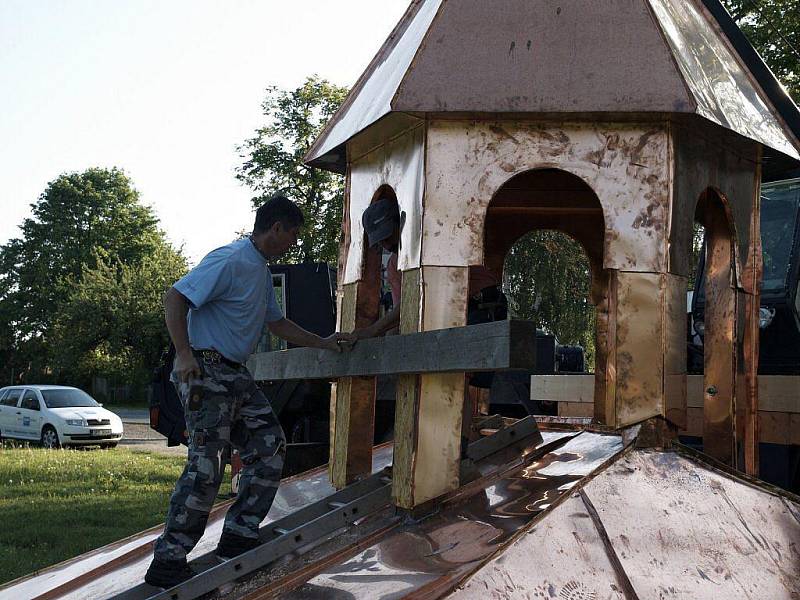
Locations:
231 411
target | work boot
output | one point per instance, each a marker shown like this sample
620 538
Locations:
231 545
167 573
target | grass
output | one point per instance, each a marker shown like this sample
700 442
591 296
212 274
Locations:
56 504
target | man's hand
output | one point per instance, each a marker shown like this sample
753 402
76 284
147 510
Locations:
338 342
186 366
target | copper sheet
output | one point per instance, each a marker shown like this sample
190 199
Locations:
626 165
293 493
678 530
639 348
715 77
450 544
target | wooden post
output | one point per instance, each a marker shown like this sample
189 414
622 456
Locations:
753 272
429 407
353 398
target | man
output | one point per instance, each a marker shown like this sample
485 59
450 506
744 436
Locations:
228 298
486 303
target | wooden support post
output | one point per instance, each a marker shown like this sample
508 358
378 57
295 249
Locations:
429 407
748 399
353 398
720 337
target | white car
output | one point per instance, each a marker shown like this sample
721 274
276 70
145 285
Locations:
56 416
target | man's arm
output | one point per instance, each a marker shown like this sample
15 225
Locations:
386 323
294 334
176 308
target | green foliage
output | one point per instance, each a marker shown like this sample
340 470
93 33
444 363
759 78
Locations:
273 163
548 281
774 30
83 224
112 323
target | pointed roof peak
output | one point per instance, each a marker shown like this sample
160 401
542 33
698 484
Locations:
570 56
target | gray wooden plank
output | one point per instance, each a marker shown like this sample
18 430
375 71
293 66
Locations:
497 346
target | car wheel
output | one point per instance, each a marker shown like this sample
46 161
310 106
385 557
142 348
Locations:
108 446
50 438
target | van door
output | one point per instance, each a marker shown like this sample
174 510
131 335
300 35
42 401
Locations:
8 412
29 416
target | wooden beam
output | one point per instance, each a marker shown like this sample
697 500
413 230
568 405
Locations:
497 346
777 393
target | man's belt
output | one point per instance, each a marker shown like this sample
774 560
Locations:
213 357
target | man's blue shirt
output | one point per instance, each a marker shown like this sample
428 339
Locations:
231 297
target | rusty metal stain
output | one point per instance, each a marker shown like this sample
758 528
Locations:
625 165
398 163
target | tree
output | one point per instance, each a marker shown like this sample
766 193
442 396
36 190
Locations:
78 218
548 281
774 30
273 163
112 322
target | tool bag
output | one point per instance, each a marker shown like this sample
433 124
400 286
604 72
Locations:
166 411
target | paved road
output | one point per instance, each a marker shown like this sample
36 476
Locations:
139 436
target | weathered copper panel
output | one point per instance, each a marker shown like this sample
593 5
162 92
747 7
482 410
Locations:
720 347
561 558
719 83
399 163
426 559
675 350
522 56
639 347
444 291
703 163
697 534
626 165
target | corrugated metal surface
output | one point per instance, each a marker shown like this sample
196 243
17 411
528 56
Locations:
676 528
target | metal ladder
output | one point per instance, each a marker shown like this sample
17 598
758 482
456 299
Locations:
313 523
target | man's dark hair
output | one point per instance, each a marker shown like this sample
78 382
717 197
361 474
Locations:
278 209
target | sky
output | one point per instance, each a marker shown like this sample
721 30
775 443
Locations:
164 90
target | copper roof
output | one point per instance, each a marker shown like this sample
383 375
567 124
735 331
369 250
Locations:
570 56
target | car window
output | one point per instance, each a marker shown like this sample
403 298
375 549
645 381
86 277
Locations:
11 399
3 394
30 401
66 397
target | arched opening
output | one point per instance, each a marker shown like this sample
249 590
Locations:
552 214
714 319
